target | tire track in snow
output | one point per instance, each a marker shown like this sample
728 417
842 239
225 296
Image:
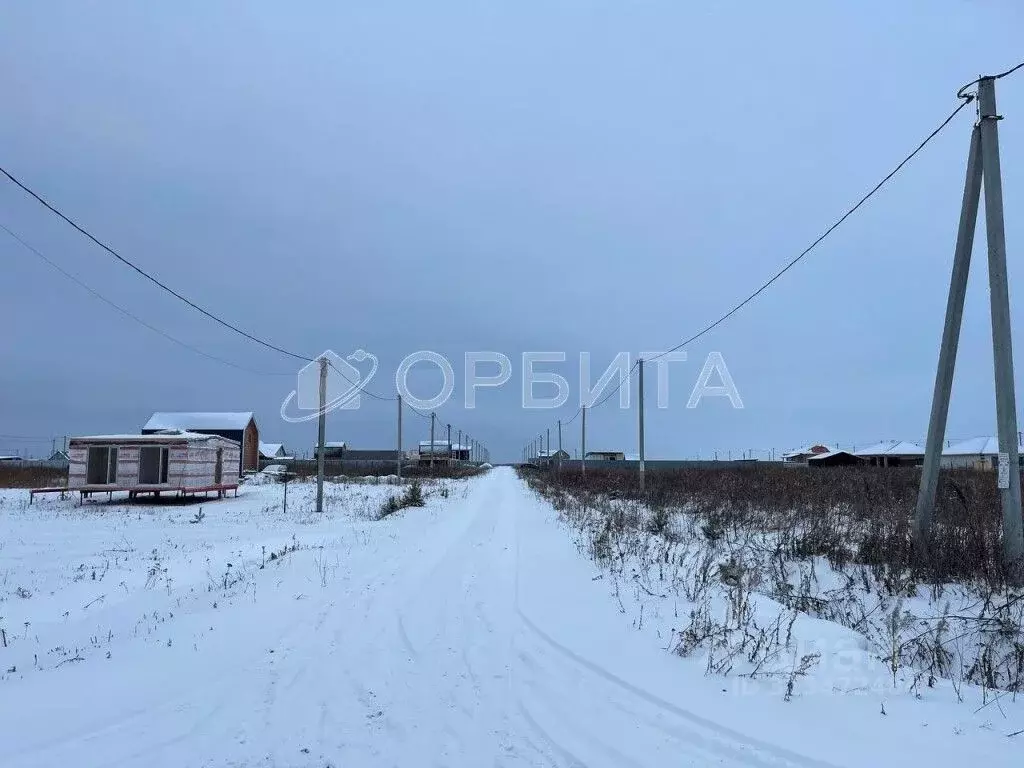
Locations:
719 739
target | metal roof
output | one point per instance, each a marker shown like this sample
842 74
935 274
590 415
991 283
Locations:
976 446
196 420
892 448
166 436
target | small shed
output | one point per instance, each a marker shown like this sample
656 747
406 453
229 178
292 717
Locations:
834 459
171 461
239 426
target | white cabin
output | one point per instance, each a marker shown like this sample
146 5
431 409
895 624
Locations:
172 461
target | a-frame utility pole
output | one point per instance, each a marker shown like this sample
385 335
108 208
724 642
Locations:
982 167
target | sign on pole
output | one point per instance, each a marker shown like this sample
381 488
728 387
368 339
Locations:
1004 471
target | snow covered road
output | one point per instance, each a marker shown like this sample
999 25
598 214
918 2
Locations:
470 633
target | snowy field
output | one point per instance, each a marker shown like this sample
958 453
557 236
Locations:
470 632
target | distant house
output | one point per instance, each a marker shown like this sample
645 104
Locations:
976 453
438 449
333 450
272 451
59 459
552 457
893 453
605 456
834 459
460 452
801 455
237 426
170 461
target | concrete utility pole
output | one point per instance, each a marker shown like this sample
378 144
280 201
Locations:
559 444
583 441
1002 348
950 343
431 439
321 436
399 460
641 417
982 167
460 446
449 445
549 442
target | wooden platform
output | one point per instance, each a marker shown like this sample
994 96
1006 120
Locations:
133 491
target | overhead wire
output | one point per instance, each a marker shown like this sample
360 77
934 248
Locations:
129 314
358 385
960 93
967 99
56 211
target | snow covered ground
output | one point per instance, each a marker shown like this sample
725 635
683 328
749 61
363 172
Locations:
469 632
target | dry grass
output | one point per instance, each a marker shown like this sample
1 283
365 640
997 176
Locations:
851 515
31 476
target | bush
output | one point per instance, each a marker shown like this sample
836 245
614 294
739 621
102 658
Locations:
413 497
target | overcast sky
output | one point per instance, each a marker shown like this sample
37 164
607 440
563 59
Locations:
516 176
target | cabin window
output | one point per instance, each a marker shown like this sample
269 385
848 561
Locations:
101 465
153 461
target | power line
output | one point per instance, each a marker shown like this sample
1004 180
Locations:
849 212
617 387
356 384
128 314
960 93
42 201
